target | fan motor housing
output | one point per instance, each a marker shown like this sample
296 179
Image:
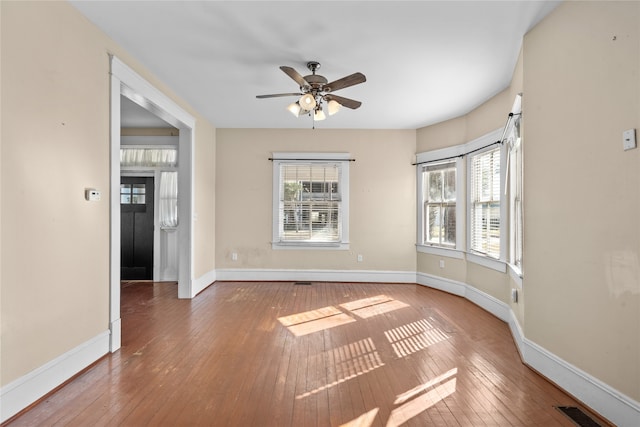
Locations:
316 79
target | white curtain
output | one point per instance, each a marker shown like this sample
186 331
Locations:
168 199
137 156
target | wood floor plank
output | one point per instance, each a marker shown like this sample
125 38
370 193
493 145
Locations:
410 355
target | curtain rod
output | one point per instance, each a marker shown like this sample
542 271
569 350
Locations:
506 126
316 160
458 156
509 117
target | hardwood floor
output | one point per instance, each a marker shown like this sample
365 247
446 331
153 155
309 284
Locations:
325 354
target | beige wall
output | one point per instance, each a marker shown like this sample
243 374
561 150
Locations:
204 183
582 191
382 192
55 143
579 70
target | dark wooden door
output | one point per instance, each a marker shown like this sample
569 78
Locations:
136 228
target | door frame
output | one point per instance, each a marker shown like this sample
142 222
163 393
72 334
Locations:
128 83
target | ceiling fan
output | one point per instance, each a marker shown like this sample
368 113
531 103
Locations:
316 90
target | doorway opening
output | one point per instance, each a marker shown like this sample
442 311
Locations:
127 83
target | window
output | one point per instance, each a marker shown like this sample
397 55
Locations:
310 200
439 204
132 194
484 203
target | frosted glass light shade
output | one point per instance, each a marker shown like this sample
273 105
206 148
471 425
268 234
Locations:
295 109
307 102
319 115
333 107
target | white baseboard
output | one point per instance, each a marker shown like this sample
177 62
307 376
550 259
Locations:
318 275
491 304
606 401
442 284
115 340
203 282
27 389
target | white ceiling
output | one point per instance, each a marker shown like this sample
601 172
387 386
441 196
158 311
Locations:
134 116
425 61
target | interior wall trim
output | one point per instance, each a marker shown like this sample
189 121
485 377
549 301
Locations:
611 404
19 394
602 398
204 281
316 275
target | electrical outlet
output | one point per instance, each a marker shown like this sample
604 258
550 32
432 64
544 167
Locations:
514 295
234 256
359 258
441 263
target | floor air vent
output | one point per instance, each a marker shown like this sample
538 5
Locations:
577 416
302 283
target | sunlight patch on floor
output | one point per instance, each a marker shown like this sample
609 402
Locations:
308 316
407 395
364 420
316 320
414 337
373 306
350 361
365 302
404 413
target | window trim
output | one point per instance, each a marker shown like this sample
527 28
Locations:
320 158
515 180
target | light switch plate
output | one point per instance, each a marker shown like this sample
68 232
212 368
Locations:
629 139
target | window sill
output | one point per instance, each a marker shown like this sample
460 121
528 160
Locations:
310 246
494 264
436 250
516 275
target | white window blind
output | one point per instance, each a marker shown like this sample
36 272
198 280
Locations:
439 204
310 202
485 202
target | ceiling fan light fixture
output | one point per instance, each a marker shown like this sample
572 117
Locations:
333 107
295 109
315 90
307 102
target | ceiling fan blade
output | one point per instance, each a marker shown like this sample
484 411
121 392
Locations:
353 79
345 102
276 95
295 76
